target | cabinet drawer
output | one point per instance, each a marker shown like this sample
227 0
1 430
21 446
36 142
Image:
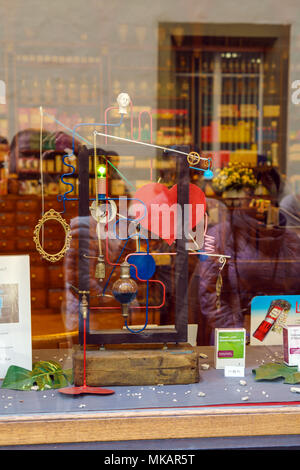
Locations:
27 206
53 204
26 244
73 207
24 232
53 246
6 232
38 298
7 245
38 276
7 205
54 231
55 298
56 277
26 218
7 219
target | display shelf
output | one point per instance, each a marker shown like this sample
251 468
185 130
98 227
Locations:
120 417
240 75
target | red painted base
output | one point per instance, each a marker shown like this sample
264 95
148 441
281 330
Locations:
85 389
81 389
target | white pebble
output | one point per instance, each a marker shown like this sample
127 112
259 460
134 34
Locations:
201 394
82 406
204 356
245 398
243 382
295 389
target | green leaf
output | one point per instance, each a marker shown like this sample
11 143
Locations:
44 374
275 370
17 378
293 378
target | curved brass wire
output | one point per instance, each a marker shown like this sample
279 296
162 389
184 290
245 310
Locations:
52 215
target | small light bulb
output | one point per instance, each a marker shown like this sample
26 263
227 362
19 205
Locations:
101 172
101 181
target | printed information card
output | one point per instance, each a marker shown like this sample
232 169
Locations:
15 313
230 348
269 315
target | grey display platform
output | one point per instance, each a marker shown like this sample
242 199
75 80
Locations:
213 389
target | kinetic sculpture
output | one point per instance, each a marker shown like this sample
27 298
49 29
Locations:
137 267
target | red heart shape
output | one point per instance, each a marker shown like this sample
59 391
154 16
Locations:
161 204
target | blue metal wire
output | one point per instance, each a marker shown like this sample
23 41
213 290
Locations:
63 197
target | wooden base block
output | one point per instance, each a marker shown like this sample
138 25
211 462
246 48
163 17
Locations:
178 364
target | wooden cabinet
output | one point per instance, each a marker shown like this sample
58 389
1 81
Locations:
18 218
56 277
7 218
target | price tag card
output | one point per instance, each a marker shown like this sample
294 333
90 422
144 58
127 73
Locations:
234 371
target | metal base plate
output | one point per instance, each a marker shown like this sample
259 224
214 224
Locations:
86 389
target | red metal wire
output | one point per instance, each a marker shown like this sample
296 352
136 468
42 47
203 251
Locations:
84 352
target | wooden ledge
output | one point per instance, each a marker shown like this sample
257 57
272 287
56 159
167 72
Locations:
149 424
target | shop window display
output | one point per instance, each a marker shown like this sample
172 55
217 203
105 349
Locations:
154 209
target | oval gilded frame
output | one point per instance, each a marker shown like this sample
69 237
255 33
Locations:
52 215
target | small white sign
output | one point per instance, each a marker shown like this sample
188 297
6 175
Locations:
234 371
15 313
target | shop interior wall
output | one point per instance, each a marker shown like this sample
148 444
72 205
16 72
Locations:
96 23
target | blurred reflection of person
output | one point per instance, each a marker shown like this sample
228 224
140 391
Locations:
265 260
290 207
115 249
85 228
